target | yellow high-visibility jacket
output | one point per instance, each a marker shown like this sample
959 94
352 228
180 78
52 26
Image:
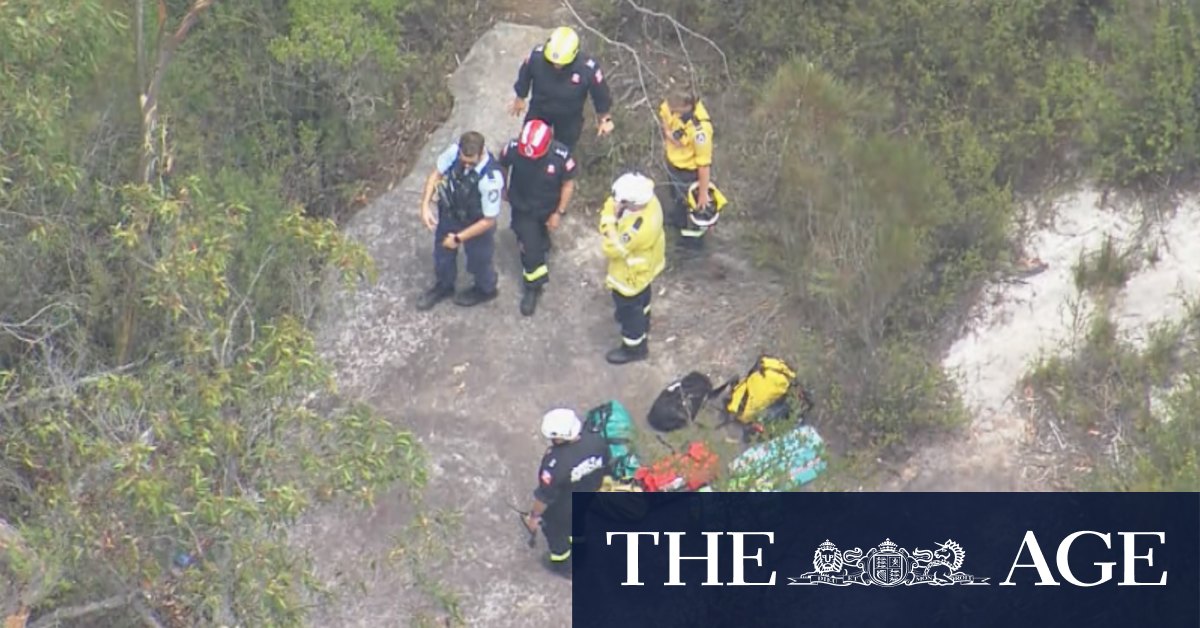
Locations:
695 137
635 246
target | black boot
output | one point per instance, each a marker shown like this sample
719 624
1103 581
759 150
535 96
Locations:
625 354
474 296
433 296
530 299
558 568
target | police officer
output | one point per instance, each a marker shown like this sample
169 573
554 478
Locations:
560 80
688 141
539 179
468 183
634 243
574 462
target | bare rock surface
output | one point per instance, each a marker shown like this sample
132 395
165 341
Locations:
473 383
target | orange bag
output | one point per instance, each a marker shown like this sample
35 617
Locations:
690 470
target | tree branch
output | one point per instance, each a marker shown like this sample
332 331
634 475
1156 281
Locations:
69 388
73 612
679 29
626 47
149 98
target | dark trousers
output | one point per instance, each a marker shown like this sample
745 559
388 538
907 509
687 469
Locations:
567 129
677 217
534 238
633 314
479 251
556 525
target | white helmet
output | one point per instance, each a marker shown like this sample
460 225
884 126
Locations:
633 188
561 423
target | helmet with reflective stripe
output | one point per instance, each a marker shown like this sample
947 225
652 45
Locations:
704 216
563 46
561 423
633 188
535 139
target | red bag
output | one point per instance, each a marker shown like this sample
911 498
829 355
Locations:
686 471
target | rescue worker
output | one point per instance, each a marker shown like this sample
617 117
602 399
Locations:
688 142
576 461
539 181
634 243
468 184
560 80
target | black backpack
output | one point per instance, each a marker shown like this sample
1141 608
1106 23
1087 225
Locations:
679 402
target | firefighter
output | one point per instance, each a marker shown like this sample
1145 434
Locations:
575 462
539 180
631 223
468 184
688 142
560 80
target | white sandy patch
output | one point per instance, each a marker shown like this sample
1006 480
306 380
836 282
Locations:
1163 291
1018 322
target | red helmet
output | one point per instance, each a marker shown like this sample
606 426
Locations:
535 139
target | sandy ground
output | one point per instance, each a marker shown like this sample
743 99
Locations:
1021 319
472 384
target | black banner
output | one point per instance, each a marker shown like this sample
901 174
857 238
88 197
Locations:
1021 560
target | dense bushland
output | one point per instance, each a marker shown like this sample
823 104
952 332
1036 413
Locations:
169 175
888 147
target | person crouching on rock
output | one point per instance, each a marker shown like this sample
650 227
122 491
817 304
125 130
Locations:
575 462
468 183
635 245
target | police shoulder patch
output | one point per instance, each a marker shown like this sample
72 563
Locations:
570 164
546 477
493 196
701 137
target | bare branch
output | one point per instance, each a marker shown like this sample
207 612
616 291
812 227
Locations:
224 353
642 69
67 389
149 96
146 613
16 329
679 29
107 604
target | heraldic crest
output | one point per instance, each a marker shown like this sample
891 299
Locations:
888 565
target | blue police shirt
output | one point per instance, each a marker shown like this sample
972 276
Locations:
489 186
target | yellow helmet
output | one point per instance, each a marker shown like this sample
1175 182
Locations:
705 216
563 45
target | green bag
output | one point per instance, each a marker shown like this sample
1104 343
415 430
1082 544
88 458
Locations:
611 420
779 465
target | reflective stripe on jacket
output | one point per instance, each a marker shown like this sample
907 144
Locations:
635 246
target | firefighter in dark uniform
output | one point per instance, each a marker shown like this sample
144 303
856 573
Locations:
688 140
560 80
539 181
468 184
575 462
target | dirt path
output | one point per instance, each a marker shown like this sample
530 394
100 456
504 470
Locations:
473 384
